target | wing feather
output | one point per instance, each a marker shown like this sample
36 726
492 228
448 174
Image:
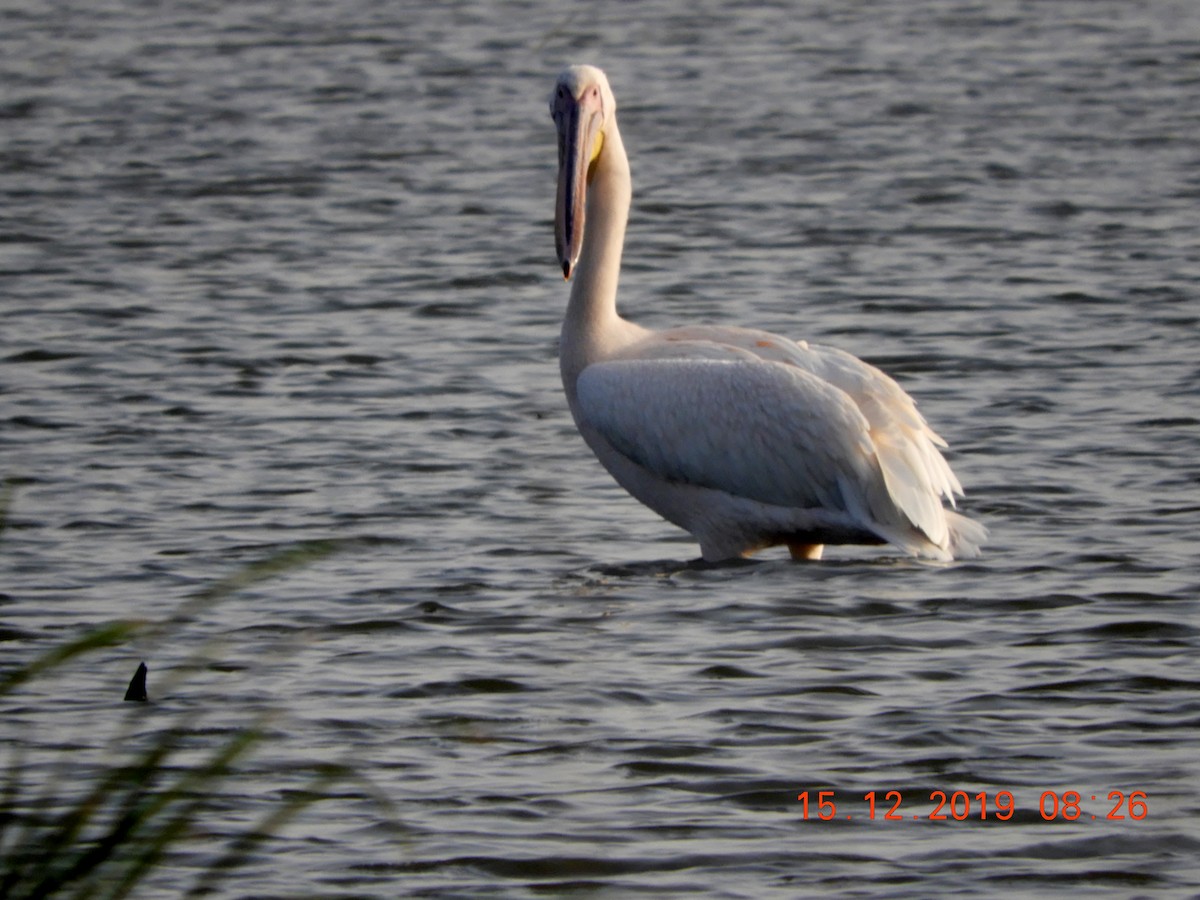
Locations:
768 432
908 450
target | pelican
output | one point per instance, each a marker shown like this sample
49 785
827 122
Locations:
741 437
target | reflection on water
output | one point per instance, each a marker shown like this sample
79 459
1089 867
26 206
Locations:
273 275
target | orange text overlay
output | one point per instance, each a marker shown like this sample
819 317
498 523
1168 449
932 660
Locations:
894 806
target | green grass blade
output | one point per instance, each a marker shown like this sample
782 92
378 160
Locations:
111 635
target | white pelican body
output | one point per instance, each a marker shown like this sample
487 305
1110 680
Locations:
741 437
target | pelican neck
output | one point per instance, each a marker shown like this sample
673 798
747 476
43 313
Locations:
592 310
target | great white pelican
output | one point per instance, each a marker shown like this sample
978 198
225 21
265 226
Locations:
741 437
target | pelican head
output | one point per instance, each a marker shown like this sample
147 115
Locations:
582 106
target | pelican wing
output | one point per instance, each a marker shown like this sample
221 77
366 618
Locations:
917 475
763 431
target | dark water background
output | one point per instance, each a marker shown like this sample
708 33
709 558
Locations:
274 272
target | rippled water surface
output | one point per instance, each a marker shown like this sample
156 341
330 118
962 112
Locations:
281 272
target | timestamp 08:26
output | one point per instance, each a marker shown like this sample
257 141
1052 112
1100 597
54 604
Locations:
961 805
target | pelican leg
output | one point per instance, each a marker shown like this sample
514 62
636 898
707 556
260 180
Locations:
806 551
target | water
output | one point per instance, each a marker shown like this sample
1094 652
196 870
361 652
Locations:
278 272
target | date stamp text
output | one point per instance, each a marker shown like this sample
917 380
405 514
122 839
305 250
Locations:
893 806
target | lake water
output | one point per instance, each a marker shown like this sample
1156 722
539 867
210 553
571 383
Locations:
282 272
